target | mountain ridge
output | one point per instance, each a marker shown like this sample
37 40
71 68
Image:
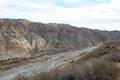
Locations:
22 37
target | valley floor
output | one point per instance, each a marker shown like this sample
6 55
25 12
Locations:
43 64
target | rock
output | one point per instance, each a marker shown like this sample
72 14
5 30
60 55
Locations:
18 36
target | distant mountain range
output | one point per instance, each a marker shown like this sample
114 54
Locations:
23 38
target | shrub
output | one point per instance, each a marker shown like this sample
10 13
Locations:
45 76
103 70
20 77
110 51
94 69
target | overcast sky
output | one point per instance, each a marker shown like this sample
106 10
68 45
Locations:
96 14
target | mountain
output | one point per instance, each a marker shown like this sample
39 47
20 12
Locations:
23 38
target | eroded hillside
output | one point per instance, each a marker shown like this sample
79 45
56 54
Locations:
23 38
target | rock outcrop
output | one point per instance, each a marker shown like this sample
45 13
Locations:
22 38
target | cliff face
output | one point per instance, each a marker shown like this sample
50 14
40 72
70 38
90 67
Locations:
21 38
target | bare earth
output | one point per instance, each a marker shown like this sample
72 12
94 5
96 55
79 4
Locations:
44 64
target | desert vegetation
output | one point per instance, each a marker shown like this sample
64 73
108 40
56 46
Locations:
99 64
109 51
94 69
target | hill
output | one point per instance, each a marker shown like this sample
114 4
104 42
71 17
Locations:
23 38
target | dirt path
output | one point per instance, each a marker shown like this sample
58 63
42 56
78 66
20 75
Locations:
51 62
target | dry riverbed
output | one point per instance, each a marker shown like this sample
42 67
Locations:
43 64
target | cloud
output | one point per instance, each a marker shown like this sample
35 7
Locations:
71 1
74 12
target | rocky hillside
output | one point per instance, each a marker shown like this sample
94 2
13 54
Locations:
23 38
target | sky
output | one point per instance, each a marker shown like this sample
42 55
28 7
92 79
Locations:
95 14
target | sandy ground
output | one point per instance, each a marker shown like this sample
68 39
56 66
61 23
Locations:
50 62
